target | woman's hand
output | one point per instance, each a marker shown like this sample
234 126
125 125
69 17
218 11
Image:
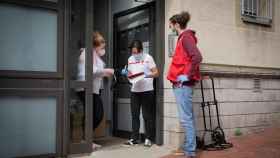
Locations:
108 72
124 72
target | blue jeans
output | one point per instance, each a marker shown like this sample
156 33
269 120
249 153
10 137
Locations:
183 97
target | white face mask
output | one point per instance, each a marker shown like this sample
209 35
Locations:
172 27
138 56
101 52
174 31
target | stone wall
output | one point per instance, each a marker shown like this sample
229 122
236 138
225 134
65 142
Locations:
242 106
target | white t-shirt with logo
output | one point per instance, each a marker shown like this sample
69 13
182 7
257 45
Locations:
145 84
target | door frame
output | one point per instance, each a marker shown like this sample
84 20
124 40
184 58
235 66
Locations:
86 146
59 83
156 14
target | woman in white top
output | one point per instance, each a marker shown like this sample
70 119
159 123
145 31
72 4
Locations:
99 71
141 71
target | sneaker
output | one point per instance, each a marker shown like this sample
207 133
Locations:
95 146
148 143
178 152
131 142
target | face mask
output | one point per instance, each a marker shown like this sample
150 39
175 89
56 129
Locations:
101 52
138 56
174 31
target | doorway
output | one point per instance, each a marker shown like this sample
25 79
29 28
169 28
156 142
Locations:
119 30
136 23
38 82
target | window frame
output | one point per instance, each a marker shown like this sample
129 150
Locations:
48 5
253 13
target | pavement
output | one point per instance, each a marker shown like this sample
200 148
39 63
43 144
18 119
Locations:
114 148
262 144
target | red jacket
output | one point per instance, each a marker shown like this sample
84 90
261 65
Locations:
182 61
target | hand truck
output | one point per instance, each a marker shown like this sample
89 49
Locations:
218 141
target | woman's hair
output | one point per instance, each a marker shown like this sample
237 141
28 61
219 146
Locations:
182 19
97 39
136 44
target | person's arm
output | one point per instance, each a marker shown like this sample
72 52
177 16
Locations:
128 68
98 72
189 45
81 65
101 72
154 73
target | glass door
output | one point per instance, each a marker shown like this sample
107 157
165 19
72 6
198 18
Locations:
31 78
79 92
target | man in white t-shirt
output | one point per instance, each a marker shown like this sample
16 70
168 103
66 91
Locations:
141 72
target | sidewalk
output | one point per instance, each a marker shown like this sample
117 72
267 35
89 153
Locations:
115 149
264 144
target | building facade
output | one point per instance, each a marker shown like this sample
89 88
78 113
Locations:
40 40
244 60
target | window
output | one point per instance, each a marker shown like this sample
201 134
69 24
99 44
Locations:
28 40
250 8
28 125
257 11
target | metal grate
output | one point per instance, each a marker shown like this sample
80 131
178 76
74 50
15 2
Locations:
257 11
257 85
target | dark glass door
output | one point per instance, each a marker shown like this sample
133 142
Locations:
31 78
39 48
136 23
79 92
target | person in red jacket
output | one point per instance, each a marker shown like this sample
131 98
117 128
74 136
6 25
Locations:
184 73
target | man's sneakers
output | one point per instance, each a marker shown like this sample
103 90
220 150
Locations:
178 152
148 143
131 142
